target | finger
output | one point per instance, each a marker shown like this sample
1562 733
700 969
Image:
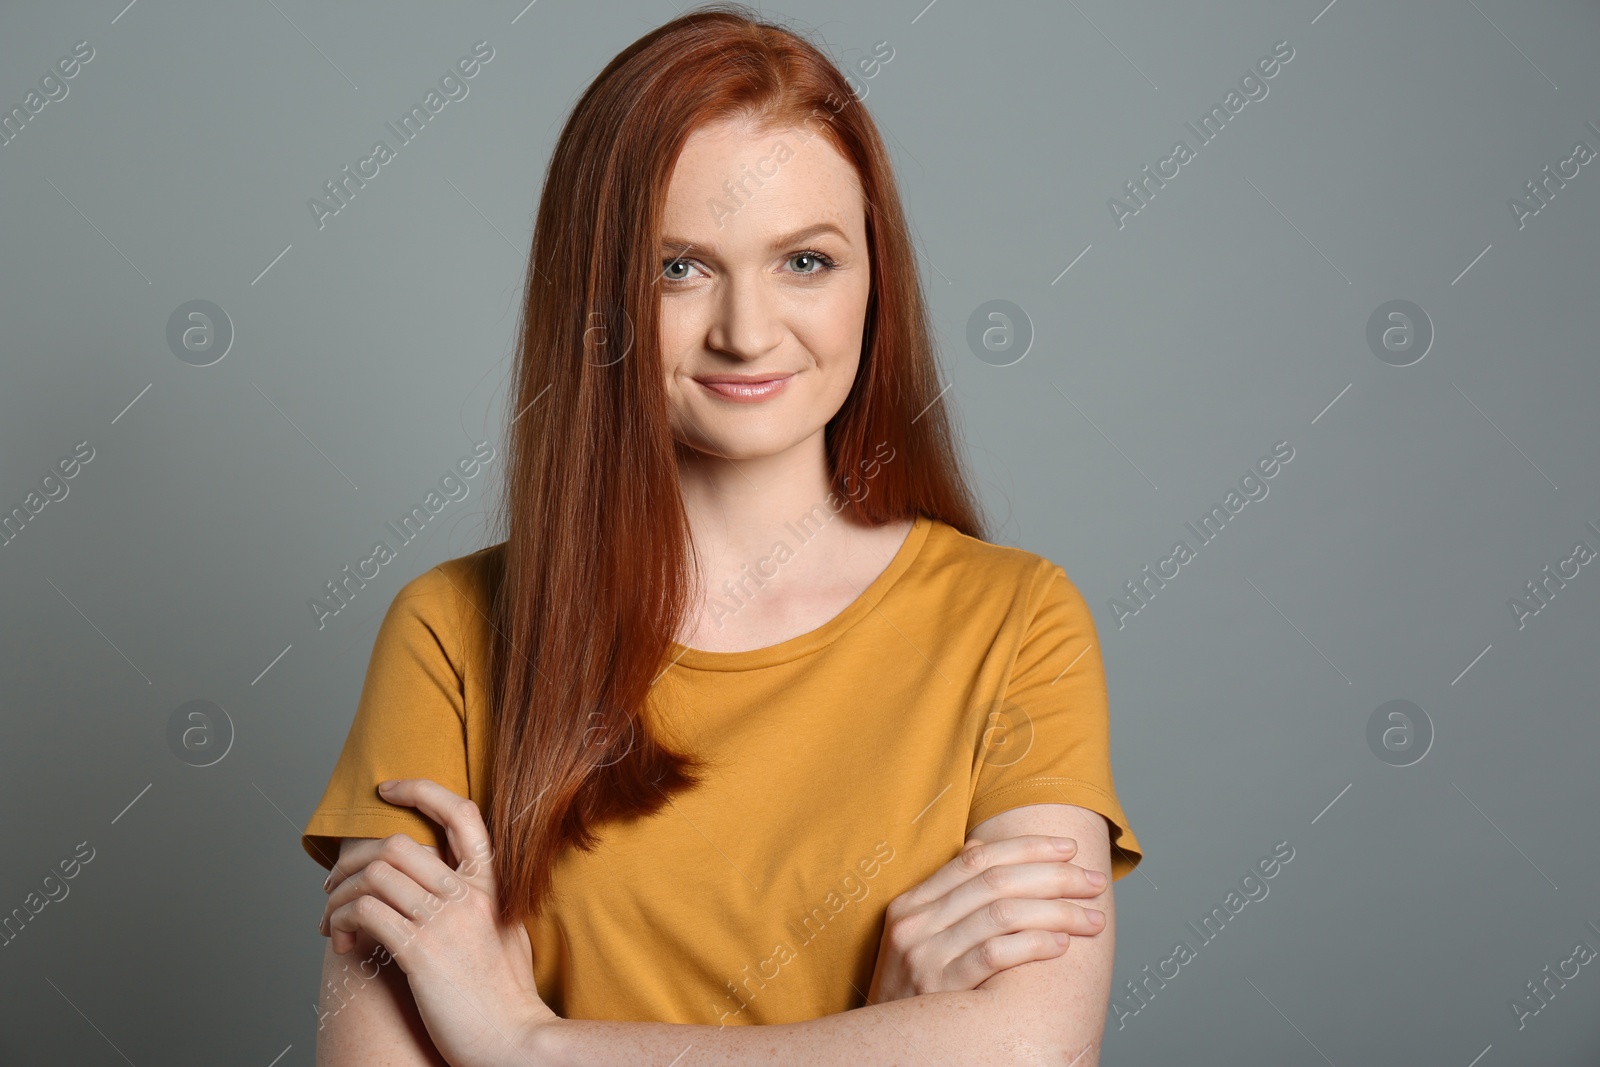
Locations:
354 858
1016 881
395 889
1038 881
351 860
1011 916
362 852
380 922
1004 951
408 876
463 824
977 856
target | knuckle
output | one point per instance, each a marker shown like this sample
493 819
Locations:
1002 913
914 956
909 941
902 936
466 808
989 955
395 845
996 877
973 859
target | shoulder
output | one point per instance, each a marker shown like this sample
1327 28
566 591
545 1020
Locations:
996 571
467 581
450 601
464 582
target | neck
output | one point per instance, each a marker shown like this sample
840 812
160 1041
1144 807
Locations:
741 509
738 506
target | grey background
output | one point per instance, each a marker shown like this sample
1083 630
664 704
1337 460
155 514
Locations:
1229 314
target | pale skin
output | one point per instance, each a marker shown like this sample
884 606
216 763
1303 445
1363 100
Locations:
463 992
968 970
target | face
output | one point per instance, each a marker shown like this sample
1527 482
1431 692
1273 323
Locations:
765 279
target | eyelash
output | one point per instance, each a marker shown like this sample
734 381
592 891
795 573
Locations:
825 264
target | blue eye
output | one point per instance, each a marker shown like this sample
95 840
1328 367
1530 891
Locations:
677 270
824 264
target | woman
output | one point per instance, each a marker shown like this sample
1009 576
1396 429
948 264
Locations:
743 680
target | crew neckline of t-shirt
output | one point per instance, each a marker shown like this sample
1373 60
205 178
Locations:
812 640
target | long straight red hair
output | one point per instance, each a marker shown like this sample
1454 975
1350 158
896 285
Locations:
594 576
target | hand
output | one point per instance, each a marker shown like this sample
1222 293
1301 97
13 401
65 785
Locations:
993 906
471 976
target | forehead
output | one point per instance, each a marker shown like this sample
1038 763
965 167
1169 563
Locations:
738 183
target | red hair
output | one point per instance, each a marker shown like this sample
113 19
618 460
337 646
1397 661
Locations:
593 580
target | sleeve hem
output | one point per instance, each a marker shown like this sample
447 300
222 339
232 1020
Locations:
327 826
1126 853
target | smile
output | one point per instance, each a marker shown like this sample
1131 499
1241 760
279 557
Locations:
744 392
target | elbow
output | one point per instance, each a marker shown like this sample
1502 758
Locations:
1028 1040
1068 1042
1026 1052
1056 1050
1081 1054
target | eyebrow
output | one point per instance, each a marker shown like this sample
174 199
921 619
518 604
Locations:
785 240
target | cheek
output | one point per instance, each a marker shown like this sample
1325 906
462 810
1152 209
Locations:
833 331
674 331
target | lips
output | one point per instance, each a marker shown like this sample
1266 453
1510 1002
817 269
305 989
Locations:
744 388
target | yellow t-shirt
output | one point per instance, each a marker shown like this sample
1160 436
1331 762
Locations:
848 764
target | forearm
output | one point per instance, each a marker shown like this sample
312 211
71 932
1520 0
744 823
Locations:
967 1028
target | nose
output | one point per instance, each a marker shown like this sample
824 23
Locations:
745 322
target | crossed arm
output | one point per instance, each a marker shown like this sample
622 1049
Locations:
1046 1011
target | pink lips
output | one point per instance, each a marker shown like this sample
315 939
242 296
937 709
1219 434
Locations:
744 389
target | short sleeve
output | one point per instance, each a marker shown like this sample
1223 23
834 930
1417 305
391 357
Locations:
409 723
1048 740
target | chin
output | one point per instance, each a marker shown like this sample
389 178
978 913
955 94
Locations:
741 447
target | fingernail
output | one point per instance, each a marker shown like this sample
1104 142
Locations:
1061 938
1065 844
1097 916
1096 879
384 786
